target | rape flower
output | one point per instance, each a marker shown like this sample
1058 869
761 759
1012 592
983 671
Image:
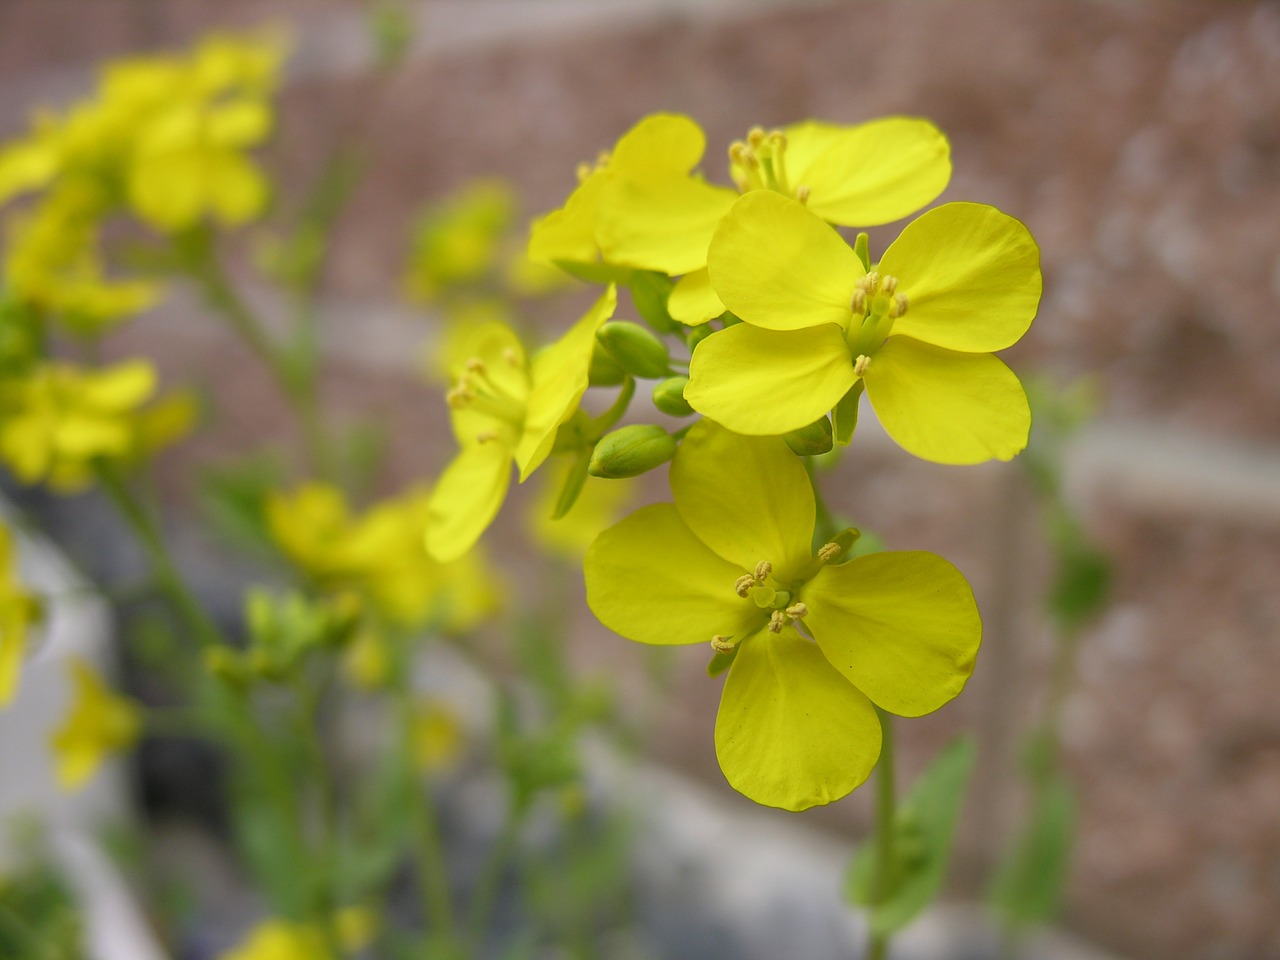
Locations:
814 642
506 409
19 610
60 418
99 724
280 940
381 555
643 206
961 281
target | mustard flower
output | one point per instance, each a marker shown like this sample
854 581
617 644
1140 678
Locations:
644 205
506 409
961 281
19 611
60 418
380 554
99 723
814 642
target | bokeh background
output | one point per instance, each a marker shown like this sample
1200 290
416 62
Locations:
1139 141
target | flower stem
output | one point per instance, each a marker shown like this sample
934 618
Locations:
168 579
878 943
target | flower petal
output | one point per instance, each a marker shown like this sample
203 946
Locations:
901 626
945 406
777 265
660 224
872 173
569 233
693 301
658 145
971 275
747 498
649 578
791 732
767 382
467 498
558 379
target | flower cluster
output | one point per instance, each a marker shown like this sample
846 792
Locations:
787 325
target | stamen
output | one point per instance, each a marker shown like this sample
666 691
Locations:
475 365
859 302
898 307
511 357
889 285
755 137
763 569
860 364
487 437
797 610
829 551
777 621
744 584
722 644
802 193
460 396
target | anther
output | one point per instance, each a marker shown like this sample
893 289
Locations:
860 364
583 171
487 437
511 357
755 137
722 644
889 285
474 365
802 193
763 569
829 551
459 397
859 302
797 610
743 585
777 621
898 307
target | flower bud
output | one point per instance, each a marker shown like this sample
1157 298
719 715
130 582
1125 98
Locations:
811 440
635 349
604 370
668 396
631 451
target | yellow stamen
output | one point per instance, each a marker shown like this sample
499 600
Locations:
802 193
777 621
898 307
744 584
829 551
797 610
722 644
860 364
763 569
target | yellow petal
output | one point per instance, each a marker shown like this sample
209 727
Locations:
662 225
119 388
466 499
872 173
777 265
237 189
693 300
569 233
747 498
971 275
658 145
901 626
767 382
650 579
945 406
791 731
558 379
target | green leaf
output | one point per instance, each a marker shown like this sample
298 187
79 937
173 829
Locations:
1028 884
573 483
845 415
924 826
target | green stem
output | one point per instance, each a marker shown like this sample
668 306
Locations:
296 381
486 892
325 900
611 416
168 579
878 943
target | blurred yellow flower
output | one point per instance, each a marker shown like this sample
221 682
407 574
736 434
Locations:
438 737
58 419
19 610
280 940
99 724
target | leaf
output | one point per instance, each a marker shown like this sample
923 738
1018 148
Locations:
924 826
1029 883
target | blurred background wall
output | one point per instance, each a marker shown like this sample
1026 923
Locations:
1141 144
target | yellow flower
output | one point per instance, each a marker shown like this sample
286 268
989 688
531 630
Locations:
644 206
814 642
57 420
459 241
19 610
506 409
280 940
99 724
380 554
961 281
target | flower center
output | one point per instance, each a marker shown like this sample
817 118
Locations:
759 163
876 304
477 389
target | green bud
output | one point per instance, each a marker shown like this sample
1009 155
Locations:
697 334
631 451
668 396
635 349
811 440
604 370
